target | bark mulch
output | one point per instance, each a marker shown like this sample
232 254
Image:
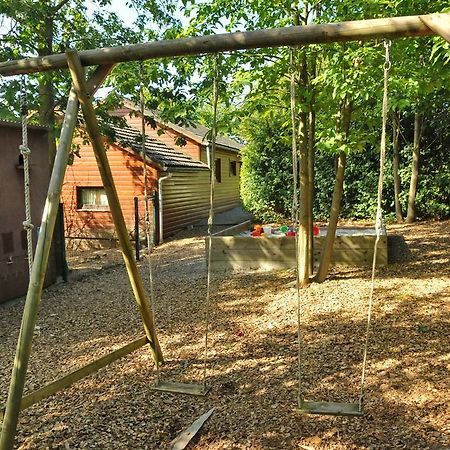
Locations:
252 362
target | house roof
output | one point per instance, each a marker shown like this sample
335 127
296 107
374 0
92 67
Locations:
17 124
167 158
196 132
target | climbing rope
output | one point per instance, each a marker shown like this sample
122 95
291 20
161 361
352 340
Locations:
212 175
147 224
25 152
295 222
379 215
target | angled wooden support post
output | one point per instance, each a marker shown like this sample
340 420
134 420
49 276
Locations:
439 23
40 262
78 374
93 129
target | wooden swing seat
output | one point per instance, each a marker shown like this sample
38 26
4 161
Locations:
181 388
331 409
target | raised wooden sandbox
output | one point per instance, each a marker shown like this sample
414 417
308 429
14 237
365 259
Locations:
236 249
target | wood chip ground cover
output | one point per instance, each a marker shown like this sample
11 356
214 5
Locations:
252 363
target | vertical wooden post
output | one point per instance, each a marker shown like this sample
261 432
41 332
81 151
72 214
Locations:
93 129
40 262
155 224
137 244
61 244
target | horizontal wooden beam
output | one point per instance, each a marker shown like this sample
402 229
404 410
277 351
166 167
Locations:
78 374
390 28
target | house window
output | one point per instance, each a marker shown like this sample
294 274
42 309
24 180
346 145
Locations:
233 168
92 198
218 170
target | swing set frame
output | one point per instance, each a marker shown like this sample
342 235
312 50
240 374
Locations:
80 95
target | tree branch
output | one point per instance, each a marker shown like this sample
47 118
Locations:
60 5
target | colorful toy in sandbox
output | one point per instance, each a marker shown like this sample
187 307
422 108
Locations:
283 230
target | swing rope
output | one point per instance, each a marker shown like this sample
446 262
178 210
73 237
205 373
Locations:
212 176
147 224
336 408
25 152
379 216
294 215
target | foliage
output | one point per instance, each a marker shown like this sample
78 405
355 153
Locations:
254 89
266 174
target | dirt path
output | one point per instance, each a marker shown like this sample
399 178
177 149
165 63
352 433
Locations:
253 357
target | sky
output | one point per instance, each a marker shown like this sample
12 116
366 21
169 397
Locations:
128 15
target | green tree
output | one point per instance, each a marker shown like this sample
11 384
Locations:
43 27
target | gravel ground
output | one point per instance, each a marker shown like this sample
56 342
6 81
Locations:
252 365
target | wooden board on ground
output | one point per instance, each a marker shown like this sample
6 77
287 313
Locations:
183 439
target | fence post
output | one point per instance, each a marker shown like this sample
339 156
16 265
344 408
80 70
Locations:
137 243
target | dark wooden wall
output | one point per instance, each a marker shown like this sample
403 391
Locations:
13 254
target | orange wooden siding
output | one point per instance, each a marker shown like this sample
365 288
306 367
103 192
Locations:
185 195
128 175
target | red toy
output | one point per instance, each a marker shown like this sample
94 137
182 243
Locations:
258 230
316 230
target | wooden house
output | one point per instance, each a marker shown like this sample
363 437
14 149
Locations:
178 177
13 242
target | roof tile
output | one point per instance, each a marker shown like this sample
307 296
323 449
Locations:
157 151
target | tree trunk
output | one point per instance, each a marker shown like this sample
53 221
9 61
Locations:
327 248
304 229
396 165
46 91
311 158
411 215
304 238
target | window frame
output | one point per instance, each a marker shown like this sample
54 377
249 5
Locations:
218 170
97 206
233 168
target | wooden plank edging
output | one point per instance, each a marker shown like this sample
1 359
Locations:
78 374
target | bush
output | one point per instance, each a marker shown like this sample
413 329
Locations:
266 181
266 175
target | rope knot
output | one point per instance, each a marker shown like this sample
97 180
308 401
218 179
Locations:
27 225
24 150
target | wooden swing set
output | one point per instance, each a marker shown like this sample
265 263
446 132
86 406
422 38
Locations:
80 94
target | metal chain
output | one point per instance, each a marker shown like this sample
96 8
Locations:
379 216
147 224
212 175
25 152
295 224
